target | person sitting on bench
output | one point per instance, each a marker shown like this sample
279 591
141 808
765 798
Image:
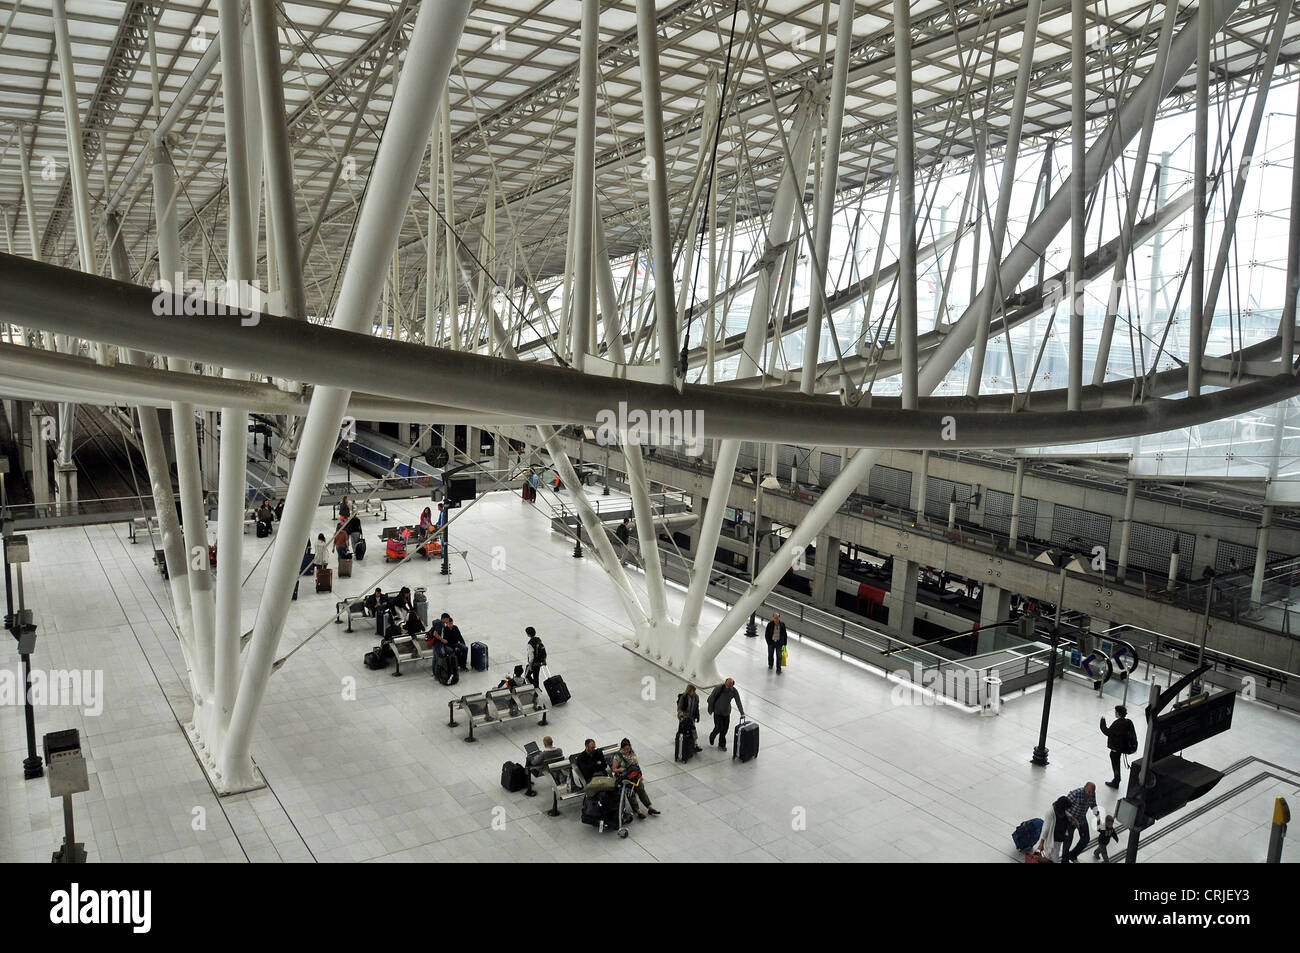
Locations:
514 681
627 768
546 754
413 624
591 762
403 600
265 515
455 641
374 602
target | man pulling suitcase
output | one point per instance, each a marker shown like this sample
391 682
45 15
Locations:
720 700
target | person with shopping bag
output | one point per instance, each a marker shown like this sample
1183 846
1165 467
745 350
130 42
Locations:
775 637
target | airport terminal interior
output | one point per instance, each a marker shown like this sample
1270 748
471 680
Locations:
677 431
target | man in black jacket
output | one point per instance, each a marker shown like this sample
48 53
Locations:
775 636
536 655
1121 739
591 761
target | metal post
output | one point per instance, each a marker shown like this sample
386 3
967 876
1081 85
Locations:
1039 757
906 168
656 173
431 245
76 150
32 763
1277 834
1078 198
1131 850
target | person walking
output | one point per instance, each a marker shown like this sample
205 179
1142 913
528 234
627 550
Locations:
322 555
1056 822
688 715
720 700
536 656
1082 800
775 636
1121 739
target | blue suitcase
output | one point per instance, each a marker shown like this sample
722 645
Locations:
478 656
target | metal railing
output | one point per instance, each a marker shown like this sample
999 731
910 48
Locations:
961 679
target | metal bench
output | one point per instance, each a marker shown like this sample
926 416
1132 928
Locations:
495 707
356 605
148 526
568 780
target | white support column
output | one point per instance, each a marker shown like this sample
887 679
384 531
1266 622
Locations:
584 178
902 597
188 472
1200 208
233 476
397 165
906 166
449 200
657 177
1078 199
826 198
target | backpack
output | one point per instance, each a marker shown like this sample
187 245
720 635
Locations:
1026 835
713 697
1128 742
539 654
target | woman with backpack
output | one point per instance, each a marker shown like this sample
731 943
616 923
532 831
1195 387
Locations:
1121 739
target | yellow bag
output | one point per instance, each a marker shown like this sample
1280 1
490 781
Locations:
785 658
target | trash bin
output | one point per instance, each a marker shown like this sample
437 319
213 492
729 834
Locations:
991 704
422 606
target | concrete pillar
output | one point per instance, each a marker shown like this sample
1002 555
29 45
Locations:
826 571
763 547
501 457
921 480
40 463
1126 527
1013 532
211 448
1261 556
65 477
995 606
698 506
902 597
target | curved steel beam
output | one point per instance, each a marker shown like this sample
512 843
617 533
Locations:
45 296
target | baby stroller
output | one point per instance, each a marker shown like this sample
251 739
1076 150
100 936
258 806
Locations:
607 808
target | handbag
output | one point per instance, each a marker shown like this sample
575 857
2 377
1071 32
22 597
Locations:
785 657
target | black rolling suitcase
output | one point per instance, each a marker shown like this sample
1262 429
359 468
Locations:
684 746
478 656
446 670
359 547
745 743
556 690
514 777
377 658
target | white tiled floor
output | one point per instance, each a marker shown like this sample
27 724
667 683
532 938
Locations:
381 777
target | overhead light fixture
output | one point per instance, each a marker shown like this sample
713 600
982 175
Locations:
770 483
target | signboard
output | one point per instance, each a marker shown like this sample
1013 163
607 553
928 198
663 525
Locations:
1185 727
